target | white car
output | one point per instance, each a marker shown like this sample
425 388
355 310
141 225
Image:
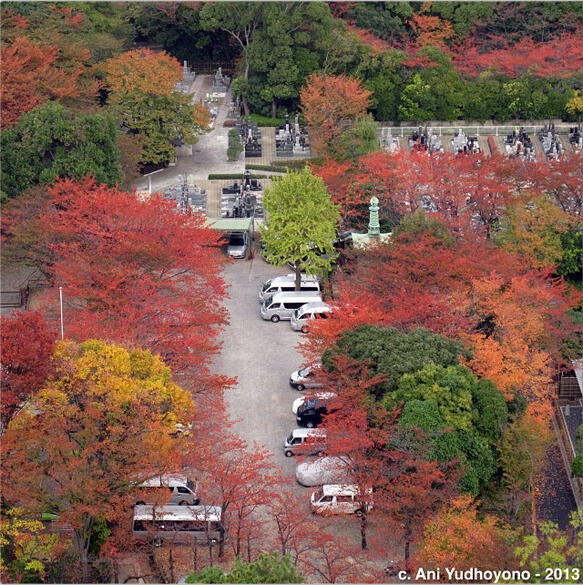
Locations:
303 378
340 499
319 395
335 469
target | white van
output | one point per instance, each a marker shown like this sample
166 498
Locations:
282 305
301 318
175 488
178 524
287 283
305 442
340 499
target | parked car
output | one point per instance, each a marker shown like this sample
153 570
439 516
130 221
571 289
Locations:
331 499
304 378
287 283
308 313
305 442
282 305
335 469
312 411
174 489
315 396
237 244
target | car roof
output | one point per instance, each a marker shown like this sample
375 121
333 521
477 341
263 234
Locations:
299 432
296 294
291 278
181 513
320 305
173 480
340 489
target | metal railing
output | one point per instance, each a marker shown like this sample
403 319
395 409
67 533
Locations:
406 131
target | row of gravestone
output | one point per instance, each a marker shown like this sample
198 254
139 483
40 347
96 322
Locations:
291 139
243 199
187 196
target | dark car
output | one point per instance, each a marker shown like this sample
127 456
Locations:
310 413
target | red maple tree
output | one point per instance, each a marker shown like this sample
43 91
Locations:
137 273
27 346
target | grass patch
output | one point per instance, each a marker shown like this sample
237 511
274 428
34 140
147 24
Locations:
265 121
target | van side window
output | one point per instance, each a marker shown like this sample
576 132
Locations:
326 499
275 306
293 305
344 499
182 490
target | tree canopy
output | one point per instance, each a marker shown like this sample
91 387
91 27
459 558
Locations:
301 224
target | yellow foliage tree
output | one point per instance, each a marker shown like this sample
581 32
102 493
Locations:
106 422
533 231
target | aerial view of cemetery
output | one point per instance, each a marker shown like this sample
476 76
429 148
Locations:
291 292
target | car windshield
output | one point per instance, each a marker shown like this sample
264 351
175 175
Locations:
289 439
305 372
266 285
296 313
318 494
236 240
190 484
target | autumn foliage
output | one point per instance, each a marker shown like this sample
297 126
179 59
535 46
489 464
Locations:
32 75
27 346
143 71
134 272
331 103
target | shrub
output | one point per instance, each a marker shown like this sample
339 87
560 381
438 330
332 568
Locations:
235 147
577 466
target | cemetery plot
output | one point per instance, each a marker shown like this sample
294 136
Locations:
188 196
251 135
292 140
519 145
243 199
551 143
576 138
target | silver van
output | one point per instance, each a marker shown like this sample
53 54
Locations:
305 442
174 489
287 283
301 318
282 305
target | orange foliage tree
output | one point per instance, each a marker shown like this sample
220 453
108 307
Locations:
31 75
459 537
331 104
142 71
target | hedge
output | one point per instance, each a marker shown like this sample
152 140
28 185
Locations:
297 163
274 168
220 176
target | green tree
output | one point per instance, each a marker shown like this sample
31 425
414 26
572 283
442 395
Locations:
301 223
162 122
433 93
361 139
53 141
415 224
240 21
553 550
391 353
268 568
572 252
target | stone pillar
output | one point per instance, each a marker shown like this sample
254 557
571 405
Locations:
374 227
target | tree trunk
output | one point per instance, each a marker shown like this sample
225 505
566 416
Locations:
298 276
245 105
274 108
363 527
